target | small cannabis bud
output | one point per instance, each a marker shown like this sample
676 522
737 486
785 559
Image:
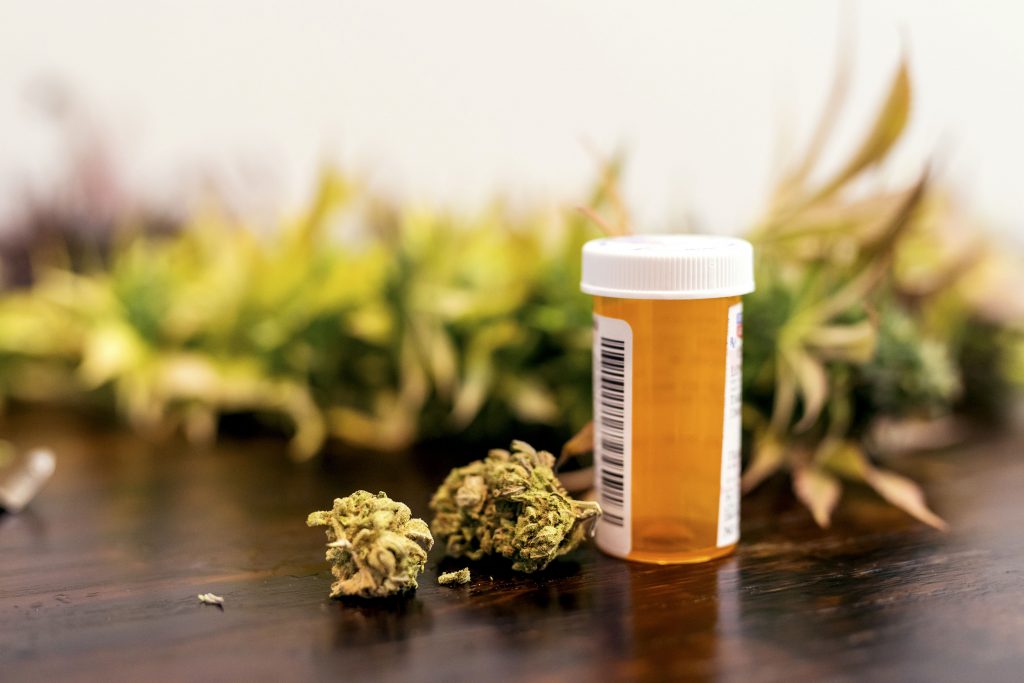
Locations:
375 545
456 578
509 504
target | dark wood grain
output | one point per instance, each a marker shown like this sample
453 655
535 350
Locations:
98 580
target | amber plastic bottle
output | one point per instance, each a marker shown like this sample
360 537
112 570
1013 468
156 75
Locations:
668 332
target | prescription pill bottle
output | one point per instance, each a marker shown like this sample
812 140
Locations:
668 340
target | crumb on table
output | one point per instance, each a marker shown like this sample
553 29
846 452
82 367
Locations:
210 599
456 578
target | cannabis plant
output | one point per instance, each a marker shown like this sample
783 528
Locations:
861 315
381 324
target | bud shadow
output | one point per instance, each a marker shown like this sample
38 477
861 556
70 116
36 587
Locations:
516 603
494 569
28 520
359 622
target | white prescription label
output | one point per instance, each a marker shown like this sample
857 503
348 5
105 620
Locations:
729 499
613 431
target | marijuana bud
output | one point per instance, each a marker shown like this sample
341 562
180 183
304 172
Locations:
456 578
510 504
375 546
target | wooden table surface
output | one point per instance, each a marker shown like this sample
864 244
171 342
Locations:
98 580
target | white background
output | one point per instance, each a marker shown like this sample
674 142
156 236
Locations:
453 101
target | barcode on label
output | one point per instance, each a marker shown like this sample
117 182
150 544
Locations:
613 340
611 422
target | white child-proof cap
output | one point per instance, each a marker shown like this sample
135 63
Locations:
668 267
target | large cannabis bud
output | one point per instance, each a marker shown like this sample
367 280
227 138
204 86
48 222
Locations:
510 504
375 546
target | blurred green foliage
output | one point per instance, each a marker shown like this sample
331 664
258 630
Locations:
382 324
414 324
